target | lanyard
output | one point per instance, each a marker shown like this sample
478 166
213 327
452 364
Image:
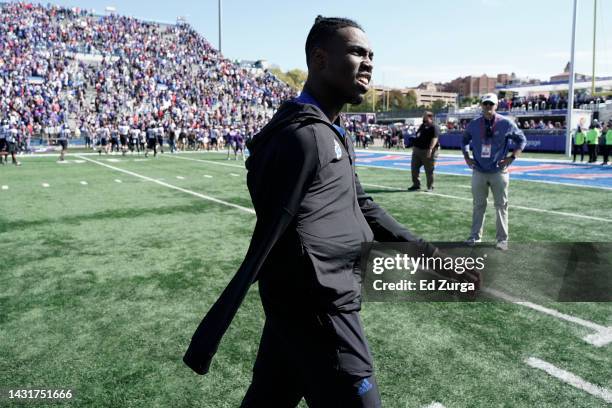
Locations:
483 134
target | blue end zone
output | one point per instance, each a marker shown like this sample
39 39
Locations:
557 172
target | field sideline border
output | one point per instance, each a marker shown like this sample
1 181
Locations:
378 167
588 217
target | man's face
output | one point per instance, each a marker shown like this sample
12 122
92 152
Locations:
348 68
427 120
488 107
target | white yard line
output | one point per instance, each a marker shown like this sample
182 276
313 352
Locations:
161 183
434 405
84 182
206 161
208 176
234 175
571 379
5 187
602 331
602 337
470 175
520 207
118 181
180 177
45 185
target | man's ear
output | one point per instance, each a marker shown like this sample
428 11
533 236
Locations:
318 58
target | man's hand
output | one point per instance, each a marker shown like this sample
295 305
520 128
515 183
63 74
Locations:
503 163
470 162
429 151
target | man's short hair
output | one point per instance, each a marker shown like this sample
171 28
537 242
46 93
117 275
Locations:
323 30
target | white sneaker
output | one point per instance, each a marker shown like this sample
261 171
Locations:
471 241
502 245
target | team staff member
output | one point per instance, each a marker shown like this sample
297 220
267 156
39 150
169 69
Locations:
312 216
592 137
424 152
579 140
607 146
489 136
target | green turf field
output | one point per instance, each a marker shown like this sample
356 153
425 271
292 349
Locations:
103 283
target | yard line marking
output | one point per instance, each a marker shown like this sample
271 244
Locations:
206 161
45 185
79 161
84 183
557 183
118 181
208 176
193 193
599 339
140 160
63 161
113 160
571 379
180 177
5 187
234 174
519 207
464 186
534 306
434 405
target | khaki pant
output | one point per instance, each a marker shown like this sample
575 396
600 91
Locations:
498 182
419 158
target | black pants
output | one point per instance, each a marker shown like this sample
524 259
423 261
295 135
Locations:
323 358
606 152
579 149
592 153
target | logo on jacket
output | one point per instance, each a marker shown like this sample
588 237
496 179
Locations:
337 149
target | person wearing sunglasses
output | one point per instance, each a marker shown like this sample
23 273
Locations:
488 137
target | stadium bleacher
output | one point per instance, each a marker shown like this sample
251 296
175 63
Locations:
68 66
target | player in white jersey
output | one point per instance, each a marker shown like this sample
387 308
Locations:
134 143
124 130
62 140
3 144
103 139
11 142
159 133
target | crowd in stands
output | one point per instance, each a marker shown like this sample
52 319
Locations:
541 102
66 67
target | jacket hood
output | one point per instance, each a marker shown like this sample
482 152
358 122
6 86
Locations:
288 113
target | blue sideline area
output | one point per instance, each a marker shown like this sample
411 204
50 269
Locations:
557 172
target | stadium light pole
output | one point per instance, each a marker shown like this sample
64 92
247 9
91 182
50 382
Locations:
594 38
220 14
570 94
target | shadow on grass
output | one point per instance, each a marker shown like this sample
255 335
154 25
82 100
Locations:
129 213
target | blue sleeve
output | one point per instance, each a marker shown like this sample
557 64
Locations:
467 138
517 136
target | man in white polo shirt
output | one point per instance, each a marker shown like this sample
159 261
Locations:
489 136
